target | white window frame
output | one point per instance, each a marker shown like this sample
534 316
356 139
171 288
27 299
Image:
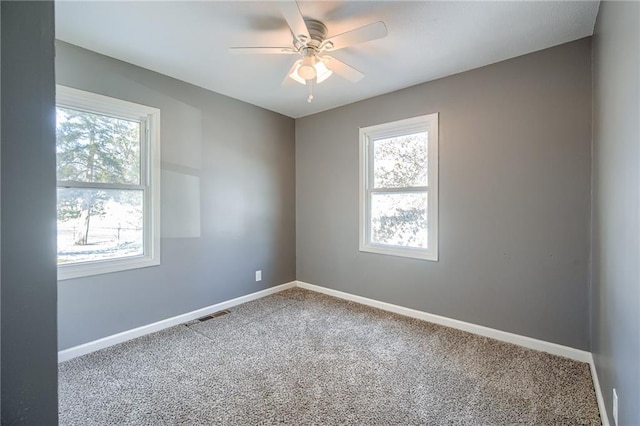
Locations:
149 118
368 135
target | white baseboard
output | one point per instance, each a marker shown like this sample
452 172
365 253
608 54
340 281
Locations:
516 339
599 398
504 336
114 339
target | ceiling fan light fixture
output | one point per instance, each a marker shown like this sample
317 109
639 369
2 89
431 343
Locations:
294 74
319 71
322 71
307 70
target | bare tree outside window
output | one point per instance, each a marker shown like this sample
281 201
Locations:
400 217
399 188
96 153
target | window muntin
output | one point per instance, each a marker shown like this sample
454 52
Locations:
398 189
108 184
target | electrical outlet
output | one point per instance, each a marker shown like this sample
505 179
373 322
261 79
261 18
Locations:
615 407
258 275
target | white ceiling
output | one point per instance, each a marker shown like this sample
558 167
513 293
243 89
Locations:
427 40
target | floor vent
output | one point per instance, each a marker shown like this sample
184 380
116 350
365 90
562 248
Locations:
214 315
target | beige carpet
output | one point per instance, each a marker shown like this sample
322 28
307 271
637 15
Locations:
300 357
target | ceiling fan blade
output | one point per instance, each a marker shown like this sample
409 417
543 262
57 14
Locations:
288 81
263 50
342 69
291 12
369 32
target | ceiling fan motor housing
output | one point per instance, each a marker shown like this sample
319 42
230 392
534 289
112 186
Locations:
317 32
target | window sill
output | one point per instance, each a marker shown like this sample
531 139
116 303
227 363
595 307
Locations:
87 269
400 252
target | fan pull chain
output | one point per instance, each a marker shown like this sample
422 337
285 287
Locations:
309 90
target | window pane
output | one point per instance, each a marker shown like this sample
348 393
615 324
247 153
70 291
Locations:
399 219
401 161
96 148
96 224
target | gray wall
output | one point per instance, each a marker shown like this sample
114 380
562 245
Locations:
28 243
514 193
615 323
0 220
228 203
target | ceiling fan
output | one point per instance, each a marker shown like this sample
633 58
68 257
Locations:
310 42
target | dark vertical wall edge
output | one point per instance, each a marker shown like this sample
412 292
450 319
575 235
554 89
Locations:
0 209
28 242
615 273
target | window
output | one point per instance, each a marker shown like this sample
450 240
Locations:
399 188
108 175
